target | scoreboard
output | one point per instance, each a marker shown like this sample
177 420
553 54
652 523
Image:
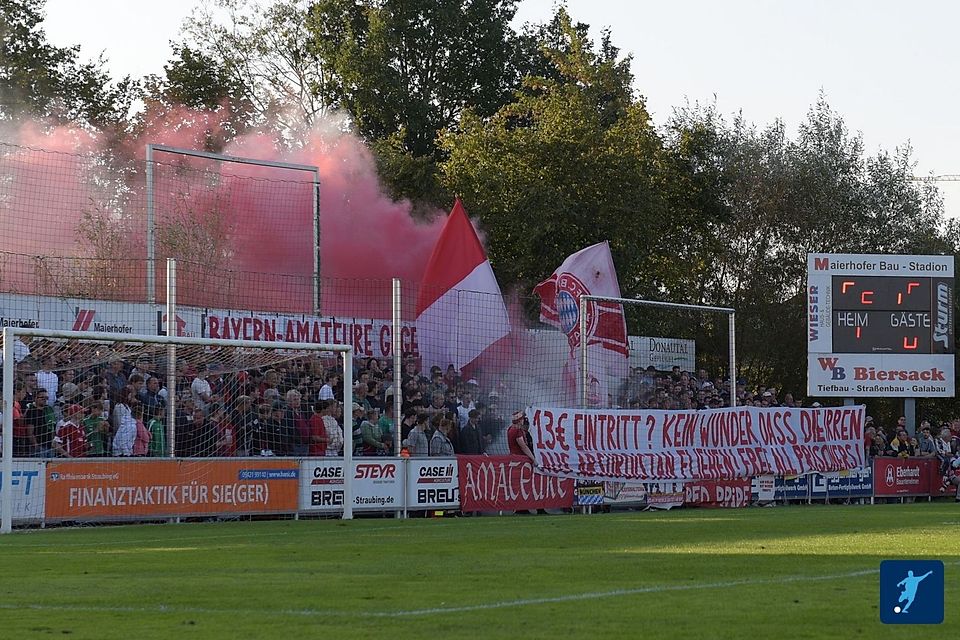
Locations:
880 325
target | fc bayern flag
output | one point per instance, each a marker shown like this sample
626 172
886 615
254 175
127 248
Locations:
460 310
589 271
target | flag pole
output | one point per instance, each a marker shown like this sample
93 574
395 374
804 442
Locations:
583 352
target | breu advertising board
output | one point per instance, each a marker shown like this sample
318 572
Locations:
880 326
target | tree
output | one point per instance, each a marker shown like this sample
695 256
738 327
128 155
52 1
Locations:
40 80
573 160
265 53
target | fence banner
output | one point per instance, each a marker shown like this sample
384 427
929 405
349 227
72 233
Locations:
142 488
792 488
29 483
588 493
509 483
433 483
764 488
665 495
624 494
377 484
904 476
718 493
712 444
842 484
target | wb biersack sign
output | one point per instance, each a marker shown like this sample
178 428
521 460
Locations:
880 325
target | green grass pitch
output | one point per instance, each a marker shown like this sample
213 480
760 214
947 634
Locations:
788 572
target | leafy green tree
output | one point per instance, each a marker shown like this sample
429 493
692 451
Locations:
40 80
573 160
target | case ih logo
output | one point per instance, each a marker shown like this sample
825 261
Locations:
83 319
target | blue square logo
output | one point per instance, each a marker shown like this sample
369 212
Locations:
911 592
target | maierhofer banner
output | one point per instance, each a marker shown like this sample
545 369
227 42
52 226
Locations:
712 444
132 488
28 481
377 484
508 483
433 483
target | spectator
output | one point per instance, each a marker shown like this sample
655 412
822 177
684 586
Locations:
47 379
928 448
901 445
24 441
96 430
150 394
326 391
317 444
440 444
517 437
158 431
370 435
115 379
225 430
124 424
471 440
258 431
42 421
70 440
417 443
334 431
201 390
283 432
296 424
141 444
387 426
946 450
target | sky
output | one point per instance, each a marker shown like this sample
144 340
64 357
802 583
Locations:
887 67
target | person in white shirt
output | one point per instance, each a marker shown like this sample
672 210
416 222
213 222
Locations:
334 432
47 379
125 424
326 391
201 390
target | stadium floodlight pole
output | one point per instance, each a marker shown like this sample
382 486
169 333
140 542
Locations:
348 434
6 488
731 313
220 157
171 356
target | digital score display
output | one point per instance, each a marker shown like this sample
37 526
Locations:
892 314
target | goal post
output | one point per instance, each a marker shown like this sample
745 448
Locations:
583 354
230 358
152 213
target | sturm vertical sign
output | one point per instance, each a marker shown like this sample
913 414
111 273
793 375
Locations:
880 326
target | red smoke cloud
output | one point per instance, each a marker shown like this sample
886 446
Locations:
261 216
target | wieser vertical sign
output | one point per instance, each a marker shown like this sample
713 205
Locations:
880 325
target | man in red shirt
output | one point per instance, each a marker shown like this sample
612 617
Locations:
517 437
70 440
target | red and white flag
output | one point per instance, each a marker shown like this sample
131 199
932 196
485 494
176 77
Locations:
589 271
460 310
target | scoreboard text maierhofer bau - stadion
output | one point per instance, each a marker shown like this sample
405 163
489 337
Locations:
880 326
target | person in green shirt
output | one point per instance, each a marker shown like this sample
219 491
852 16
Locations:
158 432
387 425
97 430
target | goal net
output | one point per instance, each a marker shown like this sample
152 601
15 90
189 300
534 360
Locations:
111 427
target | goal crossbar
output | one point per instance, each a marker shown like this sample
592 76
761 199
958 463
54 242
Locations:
11 334
732 329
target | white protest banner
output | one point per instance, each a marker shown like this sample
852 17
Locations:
712 444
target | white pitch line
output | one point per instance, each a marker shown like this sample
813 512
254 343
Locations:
505 604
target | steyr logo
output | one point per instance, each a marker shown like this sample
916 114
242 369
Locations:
830 364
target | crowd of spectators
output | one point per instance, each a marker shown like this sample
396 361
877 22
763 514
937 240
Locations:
293 408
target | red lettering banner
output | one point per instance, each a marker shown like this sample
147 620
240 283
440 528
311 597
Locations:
712 444
718 493
509 483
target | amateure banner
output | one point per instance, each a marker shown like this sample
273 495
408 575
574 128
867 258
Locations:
507 483
711 444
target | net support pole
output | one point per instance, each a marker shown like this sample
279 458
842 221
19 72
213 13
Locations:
397 368
584 374
171 357
315 191
348 434
151 231
733 358
6 488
